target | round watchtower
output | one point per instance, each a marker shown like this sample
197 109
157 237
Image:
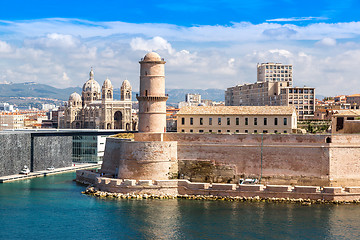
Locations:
152 98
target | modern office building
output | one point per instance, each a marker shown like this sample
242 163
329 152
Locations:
274 87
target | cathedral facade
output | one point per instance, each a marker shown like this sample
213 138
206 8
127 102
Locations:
97 109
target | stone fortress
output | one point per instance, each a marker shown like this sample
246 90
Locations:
97 109
159 162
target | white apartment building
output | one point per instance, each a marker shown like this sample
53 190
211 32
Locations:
274 87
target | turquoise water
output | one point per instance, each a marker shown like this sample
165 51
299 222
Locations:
54 208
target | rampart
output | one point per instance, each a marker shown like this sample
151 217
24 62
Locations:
185 187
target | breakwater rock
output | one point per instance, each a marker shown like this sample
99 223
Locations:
92 191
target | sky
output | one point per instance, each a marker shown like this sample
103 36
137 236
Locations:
207 44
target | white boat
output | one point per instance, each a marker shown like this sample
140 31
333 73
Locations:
50 168
25 170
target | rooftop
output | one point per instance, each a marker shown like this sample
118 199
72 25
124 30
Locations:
237 110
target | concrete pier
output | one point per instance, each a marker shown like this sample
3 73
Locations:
44 173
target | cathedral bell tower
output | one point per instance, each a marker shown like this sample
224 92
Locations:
152 98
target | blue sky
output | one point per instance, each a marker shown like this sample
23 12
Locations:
207 44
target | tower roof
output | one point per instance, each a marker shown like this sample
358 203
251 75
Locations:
107 83
126 84
152 56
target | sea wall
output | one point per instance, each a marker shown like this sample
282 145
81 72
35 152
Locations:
38 153
140 160
277 159
185 187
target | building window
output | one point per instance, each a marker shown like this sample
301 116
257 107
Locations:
210 131
201 131
237 121
219 131
237 131
265 131
265 121
182 130
201 121
285 121
275 131
285 131
210 121
191 130
228 121
246 121
246 131
275 121
255 131
219 121
191 121
255 121
182 121
227 130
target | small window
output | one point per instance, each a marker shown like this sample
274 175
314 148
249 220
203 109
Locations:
255 121
201 131
191 121
246 131
210 121
285 131
182 121
275 121
246 121
265 131
265 121
201 121
191 130
227 130
228 121
182 130
219 121
237 121
210 131
255 131
275 131
285 121
219 131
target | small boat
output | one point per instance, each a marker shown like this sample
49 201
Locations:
25 170
50 168
248 181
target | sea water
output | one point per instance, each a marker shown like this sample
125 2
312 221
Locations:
54 208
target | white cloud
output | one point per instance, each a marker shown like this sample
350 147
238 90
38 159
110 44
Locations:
297 19
327 42
50 50
154 44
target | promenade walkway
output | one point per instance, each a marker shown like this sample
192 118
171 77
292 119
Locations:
44 173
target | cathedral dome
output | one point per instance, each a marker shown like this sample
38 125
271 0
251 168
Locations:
75 97
91 85
152 56
126 84
107 83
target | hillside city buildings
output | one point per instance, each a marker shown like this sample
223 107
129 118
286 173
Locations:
274 87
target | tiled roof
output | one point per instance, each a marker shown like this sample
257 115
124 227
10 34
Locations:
354 95
349 112
237 110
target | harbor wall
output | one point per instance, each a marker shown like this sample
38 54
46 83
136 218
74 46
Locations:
18 150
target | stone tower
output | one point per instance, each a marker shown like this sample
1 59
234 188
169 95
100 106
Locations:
152 98
107 90
125 91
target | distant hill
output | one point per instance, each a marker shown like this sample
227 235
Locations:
32 89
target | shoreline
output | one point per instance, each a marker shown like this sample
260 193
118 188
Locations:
94 192
44 173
